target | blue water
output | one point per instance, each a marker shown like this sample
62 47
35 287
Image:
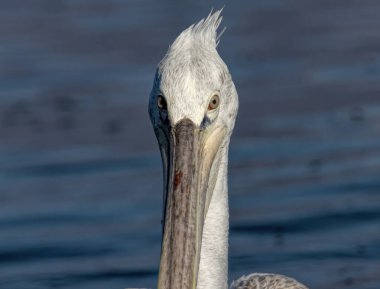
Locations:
80 173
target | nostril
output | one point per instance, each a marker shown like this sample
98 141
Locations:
206 121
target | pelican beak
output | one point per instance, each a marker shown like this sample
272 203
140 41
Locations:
191 155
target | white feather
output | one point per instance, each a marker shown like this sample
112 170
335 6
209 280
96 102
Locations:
189 74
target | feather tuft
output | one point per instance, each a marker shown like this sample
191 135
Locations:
204 33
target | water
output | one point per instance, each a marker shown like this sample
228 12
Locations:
80 173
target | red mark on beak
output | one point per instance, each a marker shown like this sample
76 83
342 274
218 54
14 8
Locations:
177 179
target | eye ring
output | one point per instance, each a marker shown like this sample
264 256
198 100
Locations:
161 103
214 102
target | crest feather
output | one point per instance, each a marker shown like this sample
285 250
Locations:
203 33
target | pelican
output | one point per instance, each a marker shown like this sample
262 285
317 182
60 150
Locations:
192 107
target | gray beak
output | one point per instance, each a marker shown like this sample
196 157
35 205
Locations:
191 155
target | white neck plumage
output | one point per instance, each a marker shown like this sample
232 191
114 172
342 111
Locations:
213 267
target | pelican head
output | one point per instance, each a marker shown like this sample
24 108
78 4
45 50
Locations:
192 106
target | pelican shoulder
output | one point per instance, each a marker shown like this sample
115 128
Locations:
266 281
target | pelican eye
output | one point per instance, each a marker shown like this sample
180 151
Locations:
214 102
161 103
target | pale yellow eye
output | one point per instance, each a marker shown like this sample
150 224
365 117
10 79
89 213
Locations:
161 103
214 102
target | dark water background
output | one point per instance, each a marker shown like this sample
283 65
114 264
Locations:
80 173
